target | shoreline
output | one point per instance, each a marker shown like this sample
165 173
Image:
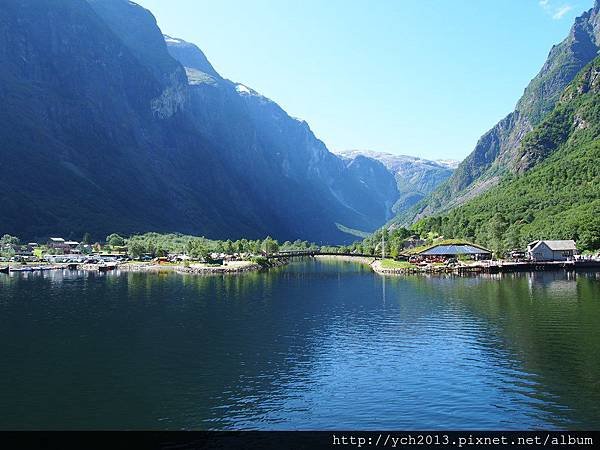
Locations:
241 267
377 268
490 268
191 269
232 267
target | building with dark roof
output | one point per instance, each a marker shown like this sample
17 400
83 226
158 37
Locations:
457 250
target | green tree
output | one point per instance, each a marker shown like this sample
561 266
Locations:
270 246
496 229
198 250
151 248
513 238
8 240
241 245
114 240
135 249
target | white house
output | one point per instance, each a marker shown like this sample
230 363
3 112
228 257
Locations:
551 250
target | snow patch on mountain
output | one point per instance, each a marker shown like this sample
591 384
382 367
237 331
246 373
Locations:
240 88
393 161
171 40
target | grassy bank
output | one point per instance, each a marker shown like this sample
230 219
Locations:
392 264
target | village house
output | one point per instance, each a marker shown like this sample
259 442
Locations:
73 246
59 245
551 250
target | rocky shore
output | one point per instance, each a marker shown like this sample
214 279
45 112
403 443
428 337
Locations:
203 269
231 267
377 267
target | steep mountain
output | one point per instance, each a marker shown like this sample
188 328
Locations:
554 192
106 128
91 137
415 177
497 152
284 166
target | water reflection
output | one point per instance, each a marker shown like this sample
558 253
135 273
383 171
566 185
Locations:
318 344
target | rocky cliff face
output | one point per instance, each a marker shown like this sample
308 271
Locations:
497 152
286 168
572 123
92 137
137 29
108 126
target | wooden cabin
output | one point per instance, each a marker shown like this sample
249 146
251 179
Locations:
561 250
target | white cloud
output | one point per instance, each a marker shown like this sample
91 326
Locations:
556 12
560 12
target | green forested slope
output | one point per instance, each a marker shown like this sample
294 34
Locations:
495 153
555 193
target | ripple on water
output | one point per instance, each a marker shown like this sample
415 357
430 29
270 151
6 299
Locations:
313 346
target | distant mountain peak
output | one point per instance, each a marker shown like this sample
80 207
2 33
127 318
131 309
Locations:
415 176
190 56
391 158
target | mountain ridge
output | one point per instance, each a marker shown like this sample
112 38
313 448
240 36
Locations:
263 122
104 130
496 152
555 191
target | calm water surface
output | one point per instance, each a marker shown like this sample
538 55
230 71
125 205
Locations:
315 345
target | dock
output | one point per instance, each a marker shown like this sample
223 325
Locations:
537 266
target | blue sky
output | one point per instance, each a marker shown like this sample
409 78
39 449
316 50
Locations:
419 77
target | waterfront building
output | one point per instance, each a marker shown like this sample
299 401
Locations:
456 251
561 250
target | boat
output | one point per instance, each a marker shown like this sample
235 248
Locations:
4 269
73 266
106 267
22 269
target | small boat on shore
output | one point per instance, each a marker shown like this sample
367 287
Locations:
22 269
106 267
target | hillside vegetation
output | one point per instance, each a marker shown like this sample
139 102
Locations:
555 192
496 154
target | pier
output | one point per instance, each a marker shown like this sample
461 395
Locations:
536 266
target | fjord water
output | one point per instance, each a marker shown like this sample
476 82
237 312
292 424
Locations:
314 345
